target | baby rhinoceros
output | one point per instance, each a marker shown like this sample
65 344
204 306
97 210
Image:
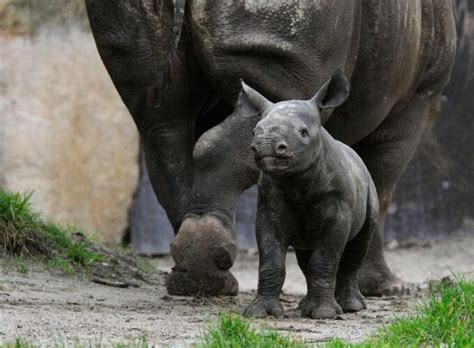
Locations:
315 194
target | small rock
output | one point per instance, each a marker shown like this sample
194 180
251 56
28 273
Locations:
392 245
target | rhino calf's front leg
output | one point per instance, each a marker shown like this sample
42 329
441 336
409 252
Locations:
271 270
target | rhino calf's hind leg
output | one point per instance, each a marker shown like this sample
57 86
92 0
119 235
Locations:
320 302
348 294
303 257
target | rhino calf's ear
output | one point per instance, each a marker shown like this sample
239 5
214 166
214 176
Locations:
333 93
251 102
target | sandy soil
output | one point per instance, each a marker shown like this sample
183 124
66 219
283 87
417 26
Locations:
46 308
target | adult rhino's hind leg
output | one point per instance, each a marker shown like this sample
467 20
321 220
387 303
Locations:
134 39
386 152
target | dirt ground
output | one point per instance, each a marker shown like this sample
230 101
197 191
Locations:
44 307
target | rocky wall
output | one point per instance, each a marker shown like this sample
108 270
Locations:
64 132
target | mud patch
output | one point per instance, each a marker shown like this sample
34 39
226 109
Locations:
112 268
120 270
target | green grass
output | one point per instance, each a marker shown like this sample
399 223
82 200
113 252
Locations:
23 231
233 331
17 344
61 264
445 319
19 264
141 342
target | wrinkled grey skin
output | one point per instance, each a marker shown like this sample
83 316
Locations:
180 90
315 194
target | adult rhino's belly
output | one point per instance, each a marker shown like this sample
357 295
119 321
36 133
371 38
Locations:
286 49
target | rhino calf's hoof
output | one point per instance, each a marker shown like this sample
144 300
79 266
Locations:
349 296
324 310
351 301
261 308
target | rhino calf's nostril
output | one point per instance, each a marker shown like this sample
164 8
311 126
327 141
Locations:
282 147
254 149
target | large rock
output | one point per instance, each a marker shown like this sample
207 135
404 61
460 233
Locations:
64 132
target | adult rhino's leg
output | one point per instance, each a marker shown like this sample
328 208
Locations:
134 39
386 152
204 248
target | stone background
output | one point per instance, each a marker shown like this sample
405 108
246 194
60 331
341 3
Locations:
64 132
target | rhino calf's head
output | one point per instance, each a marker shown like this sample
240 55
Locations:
287 137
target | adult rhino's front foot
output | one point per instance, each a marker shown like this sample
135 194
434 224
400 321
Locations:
377 280
204 250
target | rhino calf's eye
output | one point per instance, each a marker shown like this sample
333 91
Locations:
304 132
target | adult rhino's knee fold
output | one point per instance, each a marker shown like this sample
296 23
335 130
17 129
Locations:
207 144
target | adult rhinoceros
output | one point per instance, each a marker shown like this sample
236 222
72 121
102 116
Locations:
180 88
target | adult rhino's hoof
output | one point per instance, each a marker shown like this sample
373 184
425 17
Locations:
178 283
375 280
203 251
